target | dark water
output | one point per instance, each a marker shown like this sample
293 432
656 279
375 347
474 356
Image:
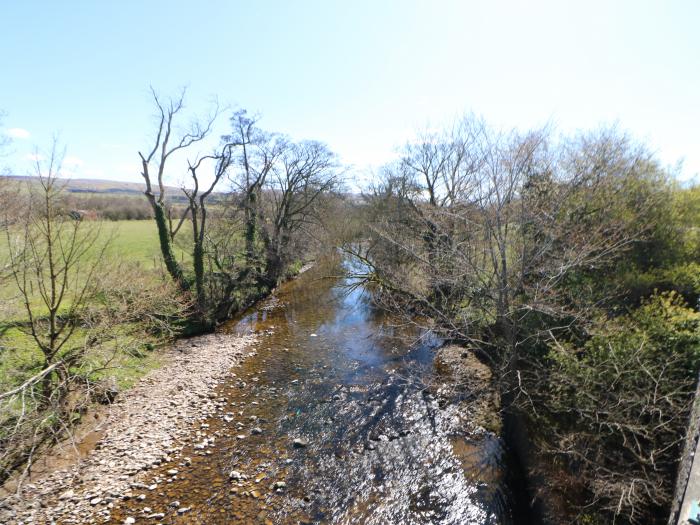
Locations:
379 445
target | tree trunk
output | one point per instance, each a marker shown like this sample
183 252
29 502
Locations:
166 247
250 229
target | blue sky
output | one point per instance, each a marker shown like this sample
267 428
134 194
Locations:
359 75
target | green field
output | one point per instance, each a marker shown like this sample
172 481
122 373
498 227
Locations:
137 242
134 243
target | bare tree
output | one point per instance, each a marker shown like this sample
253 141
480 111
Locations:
259 153
77 317
165 145
278 185
54 260
307 172
198 211
51 264
10 203
515 258
524 219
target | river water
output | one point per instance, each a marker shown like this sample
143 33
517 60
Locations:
376 442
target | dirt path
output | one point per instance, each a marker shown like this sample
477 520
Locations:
145 428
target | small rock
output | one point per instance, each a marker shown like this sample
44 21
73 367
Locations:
129 520
95 501
234 474
300 443
182 510
256 430
67 495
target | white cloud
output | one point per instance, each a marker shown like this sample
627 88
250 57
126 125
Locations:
18 133
73 161
129 168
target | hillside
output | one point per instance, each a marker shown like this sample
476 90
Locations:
101 186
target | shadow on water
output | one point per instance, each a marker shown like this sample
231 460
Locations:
373 443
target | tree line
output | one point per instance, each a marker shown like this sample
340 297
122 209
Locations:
243 247
569 264
76 313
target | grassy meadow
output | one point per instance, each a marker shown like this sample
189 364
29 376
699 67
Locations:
133 256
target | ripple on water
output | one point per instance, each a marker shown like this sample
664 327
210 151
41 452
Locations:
378 447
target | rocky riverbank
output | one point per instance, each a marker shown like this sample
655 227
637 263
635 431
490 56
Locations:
463 373
144 429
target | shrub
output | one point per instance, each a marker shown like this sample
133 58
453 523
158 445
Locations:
616 408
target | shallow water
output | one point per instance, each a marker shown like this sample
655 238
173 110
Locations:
356 388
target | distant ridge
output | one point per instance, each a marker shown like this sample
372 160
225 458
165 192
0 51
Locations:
98 185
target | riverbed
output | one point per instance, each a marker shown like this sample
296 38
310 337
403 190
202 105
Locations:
340 416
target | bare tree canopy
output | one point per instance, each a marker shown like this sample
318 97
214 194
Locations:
167 142
513 243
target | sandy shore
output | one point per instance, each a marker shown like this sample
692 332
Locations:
146 427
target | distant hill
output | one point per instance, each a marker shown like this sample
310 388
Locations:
102 186
114 188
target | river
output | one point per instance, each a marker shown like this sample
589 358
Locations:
376 443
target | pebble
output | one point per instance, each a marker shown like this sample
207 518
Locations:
147 428
67 495
300 443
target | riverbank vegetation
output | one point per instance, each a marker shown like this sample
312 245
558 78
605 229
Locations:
87 300
568 263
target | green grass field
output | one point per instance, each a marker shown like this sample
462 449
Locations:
132 242
137 242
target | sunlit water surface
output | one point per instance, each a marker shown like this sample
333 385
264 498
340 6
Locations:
351 384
